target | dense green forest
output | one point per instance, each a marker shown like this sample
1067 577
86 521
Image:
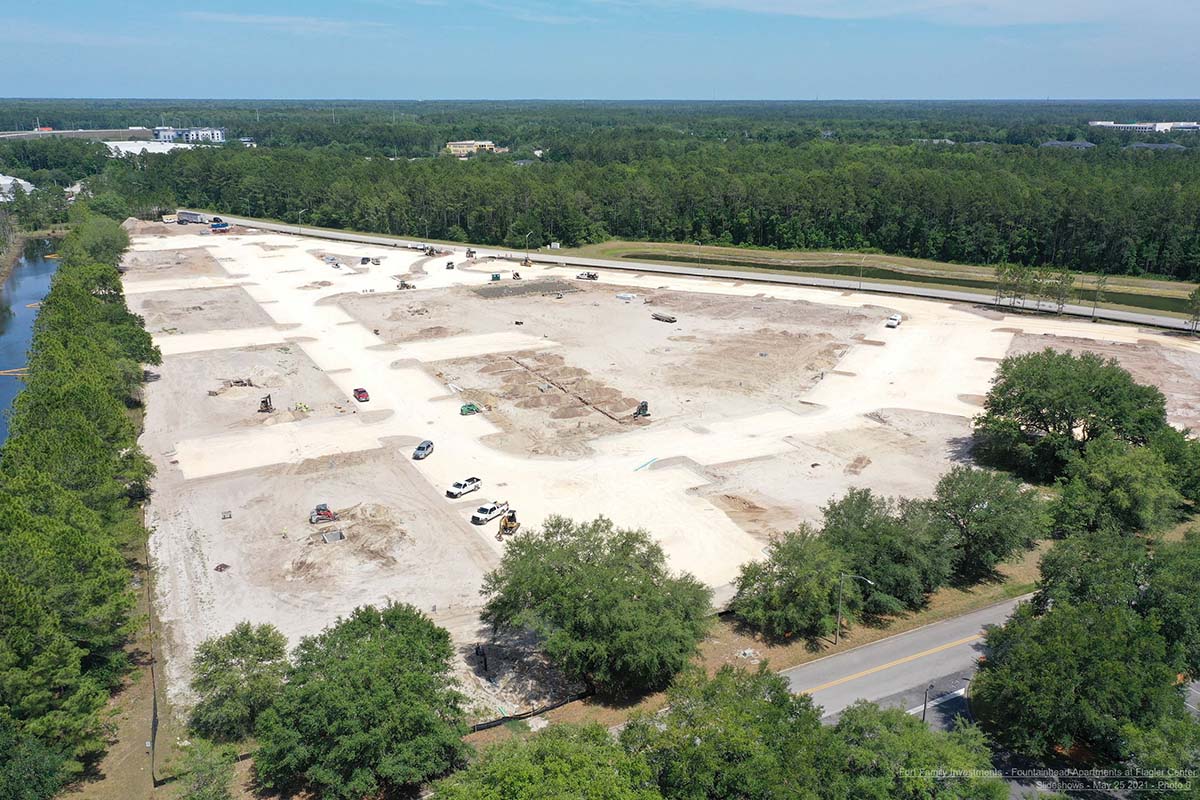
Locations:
70 479
822 176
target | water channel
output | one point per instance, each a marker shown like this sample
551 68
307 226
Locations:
26 286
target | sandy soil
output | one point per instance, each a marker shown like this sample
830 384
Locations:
766 402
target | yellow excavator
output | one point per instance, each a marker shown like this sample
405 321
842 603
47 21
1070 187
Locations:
508 525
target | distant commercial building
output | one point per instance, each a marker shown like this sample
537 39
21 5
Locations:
1069 145
1148 127
471 147
117 149
8 185
191 135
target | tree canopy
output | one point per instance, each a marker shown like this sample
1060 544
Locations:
897 546
601 598
563 762
1075 675
794 591
738 734
369 706
986 518
237 676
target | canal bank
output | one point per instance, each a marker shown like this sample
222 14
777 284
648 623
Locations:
23 290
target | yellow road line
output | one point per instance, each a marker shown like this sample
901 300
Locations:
890 664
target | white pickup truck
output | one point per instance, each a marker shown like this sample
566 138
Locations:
488 512
465 486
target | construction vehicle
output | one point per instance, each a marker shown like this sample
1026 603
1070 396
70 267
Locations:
495 276
185 217
527 262
364 260
516 276
587 276
643 410
663 317
375 262
508 525
405 285
265 406
321 514
470 408
470 253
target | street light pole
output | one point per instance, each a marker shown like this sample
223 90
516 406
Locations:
925 707
527 235
299 217
837 631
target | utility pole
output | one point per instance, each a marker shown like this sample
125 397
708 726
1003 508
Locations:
837 631
527 235
298 218
925 707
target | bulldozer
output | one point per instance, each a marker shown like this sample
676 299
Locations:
643 410
322 513
508 525
265 406
527 262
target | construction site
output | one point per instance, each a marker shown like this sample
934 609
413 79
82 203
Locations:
300 375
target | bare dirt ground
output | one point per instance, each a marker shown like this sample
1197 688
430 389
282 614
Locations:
766 402
1176 372
555 402
197 310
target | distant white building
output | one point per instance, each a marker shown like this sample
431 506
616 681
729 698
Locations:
126 148
471 146
8 186
1147 127
193 135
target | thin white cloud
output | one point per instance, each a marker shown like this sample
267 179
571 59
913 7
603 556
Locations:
965 12
537 14
295 25
23 29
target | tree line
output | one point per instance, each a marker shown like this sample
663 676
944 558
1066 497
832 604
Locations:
1110 211
71 476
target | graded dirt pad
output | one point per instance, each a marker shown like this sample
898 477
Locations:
220 390
403 542
1174 371
150 264
899 453
198 310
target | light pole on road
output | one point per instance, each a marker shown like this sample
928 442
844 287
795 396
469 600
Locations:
837 631
925 707
299 217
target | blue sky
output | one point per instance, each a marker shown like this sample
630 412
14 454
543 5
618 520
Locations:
610 49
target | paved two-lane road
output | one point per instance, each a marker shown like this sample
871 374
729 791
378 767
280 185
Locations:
895 671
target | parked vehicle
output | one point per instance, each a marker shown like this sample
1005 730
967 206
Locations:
894 321
488 512
587 276
465 486
361 395
185 217
423 450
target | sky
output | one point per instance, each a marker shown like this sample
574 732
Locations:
601 49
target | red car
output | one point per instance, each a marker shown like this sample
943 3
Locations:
361 395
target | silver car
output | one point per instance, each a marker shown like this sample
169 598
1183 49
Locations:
423 450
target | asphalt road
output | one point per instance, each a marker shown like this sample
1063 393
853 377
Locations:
896 671
553 258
